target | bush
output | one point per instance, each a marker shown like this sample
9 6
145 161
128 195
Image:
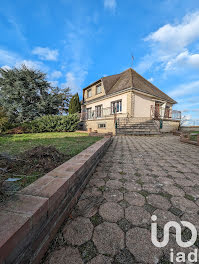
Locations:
17 130
3 120
52 123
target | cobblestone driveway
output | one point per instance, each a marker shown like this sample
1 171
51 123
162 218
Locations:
138 177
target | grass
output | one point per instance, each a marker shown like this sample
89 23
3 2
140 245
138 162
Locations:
69 143
194 138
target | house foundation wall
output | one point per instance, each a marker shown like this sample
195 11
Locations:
92 125
168 125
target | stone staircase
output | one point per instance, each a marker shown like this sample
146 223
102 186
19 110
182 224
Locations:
137 127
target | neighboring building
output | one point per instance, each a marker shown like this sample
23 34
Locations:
127 100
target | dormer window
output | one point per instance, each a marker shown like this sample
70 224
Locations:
98 88
89 93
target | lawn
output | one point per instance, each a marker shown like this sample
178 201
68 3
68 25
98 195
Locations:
29 156
69 143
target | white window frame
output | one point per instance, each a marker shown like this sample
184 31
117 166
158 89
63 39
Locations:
116 105
102 125
96 111
89 91
98 86
89 112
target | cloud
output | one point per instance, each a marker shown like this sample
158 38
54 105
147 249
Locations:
175 37
8 58
169 46
56 74
36 65
110 4
184 59
185 89
46 53
54 83
74 80
6 67
151 79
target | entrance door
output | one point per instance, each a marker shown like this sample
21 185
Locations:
157 110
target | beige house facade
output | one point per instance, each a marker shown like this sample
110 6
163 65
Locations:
125 98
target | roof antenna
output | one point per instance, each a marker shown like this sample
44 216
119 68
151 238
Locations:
132 68
132 60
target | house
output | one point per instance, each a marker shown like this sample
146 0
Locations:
127 103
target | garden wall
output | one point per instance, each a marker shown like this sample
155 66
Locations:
31 219
168 125
189 128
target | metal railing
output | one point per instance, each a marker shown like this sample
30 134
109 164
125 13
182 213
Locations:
164 113
95 114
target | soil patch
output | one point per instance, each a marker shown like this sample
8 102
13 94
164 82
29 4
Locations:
16 172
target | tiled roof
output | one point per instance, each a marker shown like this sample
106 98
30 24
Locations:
131 79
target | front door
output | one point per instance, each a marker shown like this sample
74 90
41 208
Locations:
157 110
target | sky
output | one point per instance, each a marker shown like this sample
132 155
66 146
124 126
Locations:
78 42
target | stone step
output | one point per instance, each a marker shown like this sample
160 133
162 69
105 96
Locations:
136 129
136 123
138 126
138 133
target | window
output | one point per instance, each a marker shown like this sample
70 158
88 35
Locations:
116 107
98 111
98 89
89 93
89 113
101 125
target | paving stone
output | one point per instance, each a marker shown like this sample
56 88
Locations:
97 182
78 231
191 217
152 188
89 207
138 216
90 192
101 259
124 257
111 212
138 241
173 190
114 184
108 238
193 191
165 181
113 195
65 255
140 166
124 204
184 204
184 182
134 198
132 186
164 216
177 174
115 175
158 201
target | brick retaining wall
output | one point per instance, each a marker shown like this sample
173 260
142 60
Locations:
31 219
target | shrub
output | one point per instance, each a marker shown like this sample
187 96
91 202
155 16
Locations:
17 130
3 120
53 123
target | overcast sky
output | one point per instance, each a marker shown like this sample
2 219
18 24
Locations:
77 42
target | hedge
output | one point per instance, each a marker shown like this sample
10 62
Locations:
52 123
